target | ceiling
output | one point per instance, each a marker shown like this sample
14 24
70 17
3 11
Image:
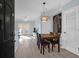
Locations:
31 9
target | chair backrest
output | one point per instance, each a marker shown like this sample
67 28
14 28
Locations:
51 33
37 36
57 36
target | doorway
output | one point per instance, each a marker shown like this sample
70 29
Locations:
57 20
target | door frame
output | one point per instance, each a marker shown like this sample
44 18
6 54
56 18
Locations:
59 27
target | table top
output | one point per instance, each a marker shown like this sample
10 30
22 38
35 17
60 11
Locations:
49 36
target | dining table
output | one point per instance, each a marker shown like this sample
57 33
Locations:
52 38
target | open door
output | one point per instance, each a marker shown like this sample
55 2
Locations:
7 26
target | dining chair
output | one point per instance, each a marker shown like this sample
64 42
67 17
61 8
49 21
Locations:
43 45
38 41
56 40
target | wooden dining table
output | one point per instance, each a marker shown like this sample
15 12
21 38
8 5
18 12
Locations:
52 39
47 36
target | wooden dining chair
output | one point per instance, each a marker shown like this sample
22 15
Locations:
38 41
43 45
56 40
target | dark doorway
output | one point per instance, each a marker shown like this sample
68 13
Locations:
6 28
57 20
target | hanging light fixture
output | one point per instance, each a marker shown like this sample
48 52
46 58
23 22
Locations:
44 17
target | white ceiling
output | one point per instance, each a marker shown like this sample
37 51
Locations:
32 9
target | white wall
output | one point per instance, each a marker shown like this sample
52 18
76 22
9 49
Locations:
70 25
44 27
47 26
38 24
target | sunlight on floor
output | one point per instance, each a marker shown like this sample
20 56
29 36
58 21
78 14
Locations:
26 40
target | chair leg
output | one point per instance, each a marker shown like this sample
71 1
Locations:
43 49
52 46
48 47
38 46
58 47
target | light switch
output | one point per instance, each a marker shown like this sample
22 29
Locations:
64 32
